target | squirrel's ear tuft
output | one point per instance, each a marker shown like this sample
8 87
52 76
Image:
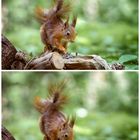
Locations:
66 122
74 21
67 22
72 122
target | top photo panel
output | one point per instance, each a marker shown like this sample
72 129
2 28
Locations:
69 35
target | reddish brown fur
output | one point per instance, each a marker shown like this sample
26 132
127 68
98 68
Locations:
53 124
54 31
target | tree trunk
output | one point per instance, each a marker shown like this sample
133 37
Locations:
6 135
8 53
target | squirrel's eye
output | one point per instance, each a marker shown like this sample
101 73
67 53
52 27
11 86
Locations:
68 33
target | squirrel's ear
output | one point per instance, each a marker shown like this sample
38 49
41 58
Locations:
74 21
66 123
72 121
67 22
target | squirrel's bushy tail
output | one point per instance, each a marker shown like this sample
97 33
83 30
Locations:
58 99
60 10
55 101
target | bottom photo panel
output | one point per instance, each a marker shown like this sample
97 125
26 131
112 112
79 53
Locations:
70 106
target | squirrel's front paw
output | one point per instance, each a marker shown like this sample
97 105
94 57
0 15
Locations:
63 50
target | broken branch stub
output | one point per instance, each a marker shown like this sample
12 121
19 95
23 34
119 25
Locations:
52 60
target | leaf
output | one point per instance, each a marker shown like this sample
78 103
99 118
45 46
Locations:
131 67
127 58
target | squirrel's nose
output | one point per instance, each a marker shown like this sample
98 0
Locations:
66 135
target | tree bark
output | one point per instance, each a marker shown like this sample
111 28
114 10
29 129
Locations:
6 135
47 61
80 62
8 53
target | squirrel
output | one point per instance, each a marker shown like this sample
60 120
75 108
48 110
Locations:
53 123
54 32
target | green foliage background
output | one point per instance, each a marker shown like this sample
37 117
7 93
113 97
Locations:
107 28
105 104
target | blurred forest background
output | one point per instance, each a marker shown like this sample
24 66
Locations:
105 104
108 28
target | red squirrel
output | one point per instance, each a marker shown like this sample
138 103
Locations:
55 33
53 123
